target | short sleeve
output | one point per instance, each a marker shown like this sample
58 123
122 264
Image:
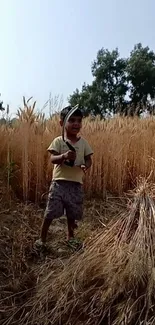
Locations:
87 150
55 146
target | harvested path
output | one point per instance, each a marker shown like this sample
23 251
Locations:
19 228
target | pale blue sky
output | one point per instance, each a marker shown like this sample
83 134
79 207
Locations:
48 45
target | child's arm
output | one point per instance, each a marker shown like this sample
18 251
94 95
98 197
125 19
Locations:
88 152
56 156
58 159
88 163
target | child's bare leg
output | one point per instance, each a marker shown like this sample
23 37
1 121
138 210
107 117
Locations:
71 227
45 228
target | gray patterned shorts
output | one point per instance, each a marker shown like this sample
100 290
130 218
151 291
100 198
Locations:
64 195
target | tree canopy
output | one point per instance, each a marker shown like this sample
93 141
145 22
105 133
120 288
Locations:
119 85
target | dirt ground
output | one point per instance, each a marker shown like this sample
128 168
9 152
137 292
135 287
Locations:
19 263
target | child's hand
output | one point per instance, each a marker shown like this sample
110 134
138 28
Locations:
84 168
69 155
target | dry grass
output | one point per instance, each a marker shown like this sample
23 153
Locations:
124 149
112 282
21 268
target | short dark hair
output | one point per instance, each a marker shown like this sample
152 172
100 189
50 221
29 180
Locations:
67 109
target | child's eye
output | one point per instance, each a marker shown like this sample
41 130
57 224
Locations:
71 120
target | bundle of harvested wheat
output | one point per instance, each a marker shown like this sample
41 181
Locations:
113 281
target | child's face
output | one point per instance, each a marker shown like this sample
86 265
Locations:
74 125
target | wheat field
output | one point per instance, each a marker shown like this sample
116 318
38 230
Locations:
123 150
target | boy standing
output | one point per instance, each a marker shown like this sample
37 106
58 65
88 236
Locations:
66 187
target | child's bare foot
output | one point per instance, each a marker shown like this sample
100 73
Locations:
39 244
75 243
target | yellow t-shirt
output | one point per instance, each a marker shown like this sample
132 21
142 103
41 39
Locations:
64 172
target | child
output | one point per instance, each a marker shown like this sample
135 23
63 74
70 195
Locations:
66 188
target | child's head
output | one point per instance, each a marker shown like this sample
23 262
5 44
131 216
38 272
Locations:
74 123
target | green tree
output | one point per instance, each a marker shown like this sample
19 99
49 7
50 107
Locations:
89 100
109 71
141 77
109 87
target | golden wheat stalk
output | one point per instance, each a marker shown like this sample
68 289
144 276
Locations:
113 281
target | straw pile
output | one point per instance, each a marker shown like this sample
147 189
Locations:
113 281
